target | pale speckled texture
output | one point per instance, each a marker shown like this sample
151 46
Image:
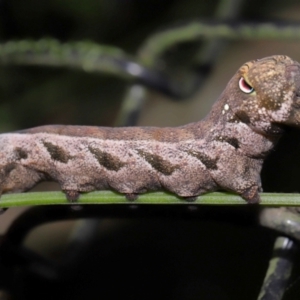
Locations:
225 151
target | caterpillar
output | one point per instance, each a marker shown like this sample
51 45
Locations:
224 151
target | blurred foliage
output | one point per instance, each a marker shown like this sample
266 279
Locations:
31 96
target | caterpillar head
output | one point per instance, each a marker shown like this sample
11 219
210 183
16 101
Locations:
268 93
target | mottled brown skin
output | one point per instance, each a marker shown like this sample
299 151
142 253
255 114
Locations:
225 151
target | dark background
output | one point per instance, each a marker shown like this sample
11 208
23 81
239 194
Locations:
195 257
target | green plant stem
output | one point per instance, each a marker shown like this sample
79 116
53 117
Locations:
87 56
162 41
108 197
93 57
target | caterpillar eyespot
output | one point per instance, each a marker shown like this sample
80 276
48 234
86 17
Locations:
217 153
245 87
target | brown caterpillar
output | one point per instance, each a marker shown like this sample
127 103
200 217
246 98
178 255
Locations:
224 151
